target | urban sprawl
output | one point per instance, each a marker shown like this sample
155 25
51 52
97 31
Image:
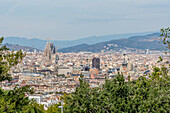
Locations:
51 74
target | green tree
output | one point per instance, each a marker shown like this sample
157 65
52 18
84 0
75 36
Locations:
165 35
142 95
33 107
165 38
54 108
82 100
14 101
7 60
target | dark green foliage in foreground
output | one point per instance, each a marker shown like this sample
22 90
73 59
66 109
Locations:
14 100
143 95
54 108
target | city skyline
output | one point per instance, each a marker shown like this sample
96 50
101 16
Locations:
84 56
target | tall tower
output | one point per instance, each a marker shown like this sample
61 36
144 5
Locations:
124 66
56 57
124 63
96 63
49 50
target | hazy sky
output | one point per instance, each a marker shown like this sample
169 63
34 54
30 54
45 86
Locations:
73 19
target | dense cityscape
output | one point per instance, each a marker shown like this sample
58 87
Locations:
84 56
52 74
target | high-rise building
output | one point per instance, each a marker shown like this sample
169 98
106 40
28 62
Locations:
124 63
96 63
124 66
49 50
130 66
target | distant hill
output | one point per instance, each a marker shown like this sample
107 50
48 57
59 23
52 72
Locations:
150 41
33 43
17 47
40 44
77 48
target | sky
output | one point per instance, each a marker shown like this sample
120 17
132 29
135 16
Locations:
74 19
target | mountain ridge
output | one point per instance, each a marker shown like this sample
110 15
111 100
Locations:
17 47
150 41
40 44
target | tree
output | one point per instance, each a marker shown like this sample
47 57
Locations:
82 100
14 101
165 34
7 60
165 38
142 95
33 107
54 108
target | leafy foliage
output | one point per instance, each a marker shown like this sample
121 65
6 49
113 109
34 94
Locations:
142 95
83 99
14 101
54 109
165 34
33 107
7 60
